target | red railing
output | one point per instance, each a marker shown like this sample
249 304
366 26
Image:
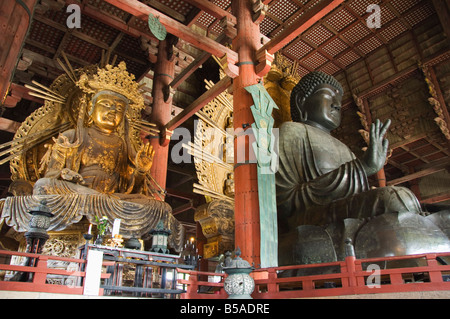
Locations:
349 277
39 273
196 283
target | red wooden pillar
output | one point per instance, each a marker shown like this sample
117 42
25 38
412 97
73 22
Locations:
247 224
201 241
14 21
161 110
381 177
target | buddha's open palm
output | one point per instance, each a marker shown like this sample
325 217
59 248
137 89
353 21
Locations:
375 155
144 158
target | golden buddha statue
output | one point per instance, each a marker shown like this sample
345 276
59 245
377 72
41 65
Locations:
99 161
100 167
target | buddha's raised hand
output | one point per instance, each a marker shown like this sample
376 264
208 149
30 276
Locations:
375 155
144 158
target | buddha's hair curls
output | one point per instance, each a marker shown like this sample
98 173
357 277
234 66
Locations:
306 86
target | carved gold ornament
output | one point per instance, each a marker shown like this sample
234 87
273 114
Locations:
434 102
116 79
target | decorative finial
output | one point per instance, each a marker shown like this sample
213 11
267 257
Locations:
237 252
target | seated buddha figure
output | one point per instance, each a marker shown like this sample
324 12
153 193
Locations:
99 161
323 195
97 169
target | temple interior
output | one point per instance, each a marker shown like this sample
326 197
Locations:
392 59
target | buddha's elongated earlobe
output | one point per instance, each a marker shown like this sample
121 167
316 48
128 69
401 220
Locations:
303 115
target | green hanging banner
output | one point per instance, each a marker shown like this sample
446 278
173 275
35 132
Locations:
266 155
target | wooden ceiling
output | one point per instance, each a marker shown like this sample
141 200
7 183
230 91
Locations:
378 66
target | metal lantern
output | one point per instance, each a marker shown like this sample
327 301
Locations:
238 284
160 238
36 235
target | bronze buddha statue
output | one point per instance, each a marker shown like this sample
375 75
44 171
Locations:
323 195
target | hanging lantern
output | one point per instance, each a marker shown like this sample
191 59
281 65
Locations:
160 238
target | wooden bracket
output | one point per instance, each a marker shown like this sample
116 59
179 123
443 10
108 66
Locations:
229 27
171 42
164 136
168 92
229 66
259 11
265 60
151 46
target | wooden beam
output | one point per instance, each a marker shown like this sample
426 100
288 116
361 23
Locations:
415 175
178 170
202 58
401 76
62 44
183 208
42 60
180 78
436 198
22 92
444 16
426 170
399 166
176 28
204 99
183 195
163 8
212 9
111 21
8 125
40 45
306 21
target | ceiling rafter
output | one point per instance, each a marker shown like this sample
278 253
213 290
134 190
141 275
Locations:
351 46
213 10
297 27
176 28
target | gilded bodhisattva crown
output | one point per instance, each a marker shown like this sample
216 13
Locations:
116 79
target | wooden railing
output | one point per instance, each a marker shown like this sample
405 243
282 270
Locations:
198 286
154 275
38 274
353 276
425 272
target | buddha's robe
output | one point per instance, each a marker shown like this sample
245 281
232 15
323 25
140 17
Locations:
320 181
103 160
110 189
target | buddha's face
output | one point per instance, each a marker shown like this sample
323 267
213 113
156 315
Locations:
108 112
323 107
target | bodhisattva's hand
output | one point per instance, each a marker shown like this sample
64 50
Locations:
144 158
375 156
71 176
